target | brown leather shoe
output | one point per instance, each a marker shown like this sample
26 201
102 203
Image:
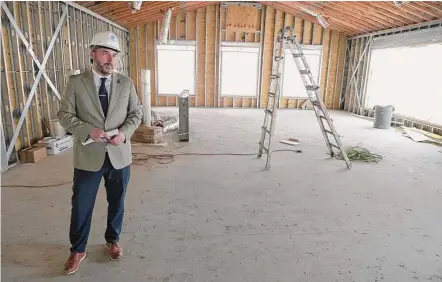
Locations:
73 262
115 251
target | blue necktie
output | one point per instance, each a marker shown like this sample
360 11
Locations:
102 94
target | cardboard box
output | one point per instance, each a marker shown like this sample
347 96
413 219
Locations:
55 146
32 154
148 134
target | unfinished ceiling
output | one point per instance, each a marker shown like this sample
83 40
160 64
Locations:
121 13
353 18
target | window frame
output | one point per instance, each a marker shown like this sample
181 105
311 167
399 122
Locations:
189 43
288 55
258 70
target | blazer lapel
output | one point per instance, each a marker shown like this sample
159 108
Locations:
115 91
88 81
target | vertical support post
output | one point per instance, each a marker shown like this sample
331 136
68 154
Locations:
261 55
14 70
205 59
4 160
145 86
21 79
69 39
221 10
8 84
76 40
54 102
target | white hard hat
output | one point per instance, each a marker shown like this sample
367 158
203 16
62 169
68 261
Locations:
106 39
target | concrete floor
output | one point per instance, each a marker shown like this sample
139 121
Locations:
222 218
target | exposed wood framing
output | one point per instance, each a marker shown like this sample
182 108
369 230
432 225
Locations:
208 27
357 17
27 33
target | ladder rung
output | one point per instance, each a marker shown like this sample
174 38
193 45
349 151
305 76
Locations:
297 55
311 87
269 112
264 148
333 145
277 58
271 94
266 129
316 103
328 131
304 71
275 76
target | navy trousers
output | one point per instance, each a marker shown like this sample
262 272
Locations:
85 188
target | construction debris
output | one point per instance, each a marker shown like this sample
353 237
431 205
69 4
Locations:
418 135
360 154
288 142
168 123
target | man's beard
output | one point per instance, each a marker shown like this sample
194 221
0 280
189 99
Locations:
104 68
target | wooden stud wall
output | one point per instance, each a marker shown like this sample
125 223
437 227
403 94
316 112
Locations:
38 21
208 26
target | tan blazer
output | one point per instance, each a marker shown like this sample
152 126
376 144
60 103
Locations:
80 111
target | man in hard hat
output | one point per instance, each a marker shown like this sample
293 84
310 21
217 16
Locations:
94 103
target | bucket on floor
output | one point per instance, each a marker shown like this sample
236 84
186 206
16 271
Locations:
56 130
382 116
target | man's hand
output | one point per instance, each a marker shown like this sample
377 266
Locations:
98 135
118 139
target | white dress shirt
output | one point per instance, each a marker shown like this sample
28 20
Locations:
97 81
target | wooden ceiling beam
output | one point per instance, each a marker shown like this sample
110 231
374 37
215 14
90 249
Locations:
335 17
343 13
389 10
88 4
162 7
406 8
159 16
370 12
107 6
297 12
429 11
385 14
437 6
146 12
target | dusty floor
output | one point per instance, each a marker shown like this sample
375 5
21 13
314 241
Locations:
222 218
